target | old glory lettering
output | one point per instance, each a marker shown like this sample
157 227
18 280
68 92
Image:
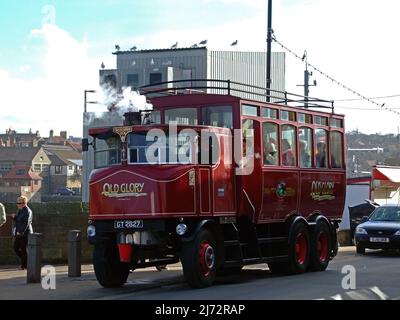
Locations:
322 190
123 190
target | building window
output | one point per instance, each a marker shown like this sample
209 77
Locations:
37 167
5 166
155 77
270 143
20 172
36 182
110 80
249 110
321 148
305 147
132 80
288 145
336 149
57 169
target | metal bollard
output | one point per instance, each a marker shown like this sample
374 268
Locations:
34 258
74 253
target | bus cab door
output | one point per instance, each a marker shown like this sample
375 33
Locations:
216 180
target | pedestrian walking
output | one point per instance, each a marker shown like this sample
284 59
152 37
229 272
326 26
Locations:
23 227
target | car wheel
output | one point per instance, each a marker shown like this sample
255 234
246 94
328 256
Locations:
360 249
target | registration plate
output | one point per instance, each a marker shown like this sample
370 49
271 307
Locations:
378 239
128 224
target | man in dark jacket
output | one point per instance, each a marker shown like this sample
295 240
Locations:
23 227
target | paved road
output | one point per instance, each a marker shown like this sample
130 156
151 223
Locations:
377 277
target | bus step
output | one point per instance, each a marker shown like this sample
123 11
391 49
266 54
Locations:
229 243
255 260
271 240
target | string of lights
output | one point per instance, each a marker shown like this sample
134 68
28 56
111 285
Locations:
374 98
382 106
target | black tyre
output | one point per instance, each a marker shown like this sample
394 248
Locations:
360 249
299 249
298 252
320 244
110 272
198 259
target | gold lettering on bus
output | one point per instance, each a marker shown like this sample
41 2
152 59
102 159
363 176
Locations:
123 190
322 190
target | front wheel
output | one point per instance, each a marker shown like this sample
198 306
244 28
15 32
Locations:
198 259
110 272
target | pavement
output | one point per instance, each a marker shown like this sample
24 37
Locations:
14 286
151 284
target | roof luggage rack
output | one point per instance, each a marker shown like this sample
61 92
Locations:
228 87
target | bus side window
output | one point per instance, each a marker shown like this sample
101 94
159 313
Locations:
288 145
270 143
321 148
305 147
336 149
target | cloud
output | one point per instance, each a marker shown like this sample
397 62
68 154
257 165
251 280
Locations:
54 100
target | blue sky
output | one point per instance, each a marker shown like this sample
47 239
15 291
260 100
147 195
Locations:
102 22
44 68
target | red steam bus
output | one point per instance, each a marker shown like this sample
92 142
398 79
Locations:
163 193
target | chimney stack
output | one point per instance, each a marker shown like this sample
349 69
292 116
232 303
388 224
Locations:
132 118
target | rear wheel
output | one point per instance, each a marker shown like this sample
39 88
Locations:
298 253
199 260
320 247
360 249
110 272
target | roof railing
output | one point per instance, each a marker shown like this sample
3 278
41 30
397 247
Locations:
228 87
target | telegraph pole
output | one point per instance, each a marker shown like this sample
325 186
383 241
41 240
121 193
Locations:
306 84
269 42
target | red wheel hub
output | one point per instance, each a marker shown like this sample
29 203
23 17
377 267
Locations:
322 246
206 258
301 248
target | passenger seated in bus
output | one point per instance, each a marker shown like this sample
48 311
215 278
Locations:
271 154
321 155
305 157
288 158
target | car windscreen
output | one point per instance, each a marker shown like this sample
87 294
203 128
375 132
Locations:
386 214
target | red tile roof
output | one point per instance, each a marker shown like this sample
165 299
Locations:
23 173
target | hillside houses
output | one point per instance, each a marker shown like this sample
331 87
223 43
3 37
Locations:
33 166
